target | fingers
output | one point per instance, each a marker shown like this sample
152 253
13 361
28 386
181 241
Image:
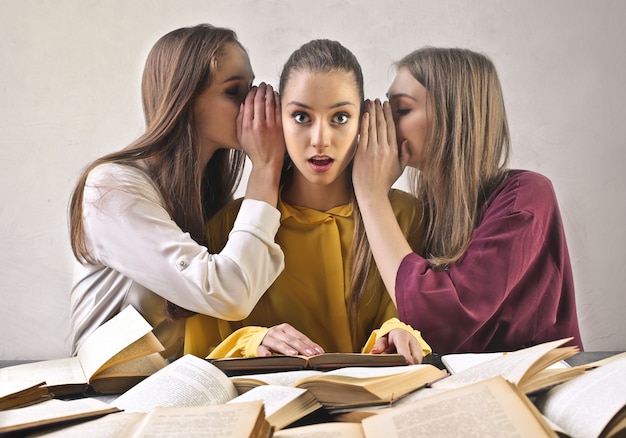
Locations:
411 351
389 125
402 342
284 339
364 132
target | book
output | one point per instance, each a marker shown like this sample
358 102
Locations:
592 405
117 355
191 381
19 394
243 420
323 362
457 362
527 368
492 407
349 386
52 412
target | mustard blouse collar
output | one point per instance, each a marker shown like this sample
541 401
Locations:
307 215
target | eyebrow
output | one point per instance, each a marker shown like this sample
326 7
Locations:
236 78
335 105
399 95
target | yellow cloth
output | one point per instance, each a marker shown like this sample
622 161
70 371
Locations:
312 292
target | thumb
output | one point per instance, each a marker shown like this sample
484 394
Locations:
380 346
404 154
263 351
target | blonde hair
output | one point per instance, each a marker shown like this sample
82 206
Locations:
178 68
324 55
467 148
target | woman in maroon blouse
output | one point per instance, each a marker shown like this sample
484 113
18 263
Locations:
495 273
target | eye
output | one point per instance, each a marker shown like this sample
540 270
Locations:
401 111
300 117
237 93
341 118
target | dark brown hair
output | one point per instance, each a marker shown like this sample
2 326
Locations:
324 55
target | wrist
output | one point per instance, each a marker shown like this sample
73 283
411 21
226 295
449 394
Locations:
263 183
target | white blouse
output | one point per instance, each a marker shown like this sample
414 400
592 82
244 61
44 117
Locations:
143 258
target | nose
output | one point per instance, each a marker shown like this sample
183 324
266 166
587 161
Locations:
320 137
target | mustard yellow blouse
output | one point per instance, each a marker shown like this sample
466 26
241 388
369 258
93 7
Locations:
312 292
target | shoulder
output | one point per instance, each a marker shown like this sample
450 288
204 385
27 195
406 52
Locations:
407 208
403 202
524 191
121 178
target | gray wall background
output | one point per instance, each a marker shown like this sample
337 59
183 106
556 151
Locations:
69 92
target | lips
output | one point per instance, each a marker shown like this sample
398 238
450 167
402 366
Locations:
321 164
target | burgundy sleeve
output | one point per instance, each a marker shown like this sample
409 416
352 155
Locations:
512 288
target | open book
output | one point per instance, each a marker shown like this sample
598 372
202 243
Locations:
323 362
191 381
350 386
19 394
527 368
117 355
492 407
52 412
243 420
592 405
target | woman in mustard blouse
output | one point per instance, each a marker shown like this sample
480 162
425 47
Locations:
330 297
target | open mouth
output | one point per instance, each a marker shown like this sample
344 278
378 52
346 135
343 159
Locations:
321 164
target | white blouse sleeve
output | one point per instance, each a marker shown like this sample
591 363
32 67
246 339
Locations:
128 229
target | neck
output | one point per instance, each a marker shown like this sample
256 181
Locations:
299 191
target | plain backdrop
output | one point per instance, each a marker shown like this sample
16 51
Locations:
70 91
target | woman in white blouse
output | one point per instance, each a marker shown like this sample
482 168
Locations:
137 216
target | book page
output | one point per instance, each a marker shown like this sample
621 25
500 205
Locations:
228 421
273 397
51 411
17 388
584 405
188 381
512 366
53 372
144 346
283 378
366 372
110 338
325 430
109 426
493 407
141 366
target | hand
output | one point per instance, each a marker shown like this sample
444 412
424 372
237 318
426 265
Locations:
259 128
377 163
284 339
400 341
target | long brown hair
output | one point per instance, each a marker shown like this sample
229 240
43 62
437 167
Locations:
178 68
467 149
324 55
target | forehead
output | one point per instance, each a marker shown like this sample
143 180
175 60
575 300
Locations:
405 84
233 63
322 85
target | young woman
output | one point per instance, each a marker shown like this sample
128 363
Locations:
330 296
495 273
137 216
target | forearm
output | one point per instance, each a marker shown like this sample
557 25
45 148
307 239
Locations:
263 184
387 241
